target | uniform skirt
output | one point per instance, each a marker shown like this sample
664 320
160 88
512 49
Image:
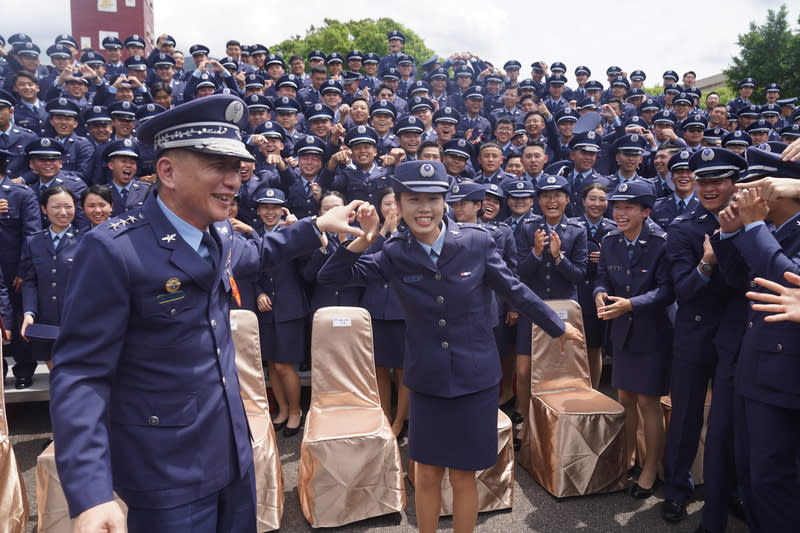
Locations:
283 342
641 372
458 432
524 327
389 340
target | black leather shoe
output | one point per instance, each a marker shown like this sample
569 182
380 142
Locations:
736 508
517 444
23 382
673 511
291 432
509 404
279 425
639 493
516 418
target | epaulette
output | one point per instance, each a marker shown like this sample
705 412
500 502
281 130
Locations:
13 184
467 226
121 224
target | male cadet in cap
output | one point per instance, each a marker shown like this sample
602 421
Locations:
13 138
61 58
382 114
78 150
745 88
787 107
303 197
19 217
164 71
683 198
45 160
396 43
584 149
456 156
310 95
207 70
353 171
629 155
510 107
287 114
29 112
409 136
319 118
121 158
708 327
565 120
766 235
473 125
370 79
150 407
114 66
692 130
98 126
490 159
269 139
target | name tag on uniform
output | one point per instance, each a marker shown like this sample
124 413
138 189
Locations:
170 297
413 279
342 323
615 268
464 274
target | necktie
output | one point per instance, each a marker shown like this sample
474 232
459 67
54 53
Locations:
308 189
630 253
56 240
576 181
681 206
434 256
593 231
3 141
212 249
124 194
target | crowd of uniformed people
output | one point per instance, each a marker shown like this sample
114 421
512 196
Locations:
594 191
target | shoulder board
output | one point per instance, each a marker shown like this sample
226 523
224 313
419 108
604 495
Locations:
469 226
15 185
658 233
573 222
121 224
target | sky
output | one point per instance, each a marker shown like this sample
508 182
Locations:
633 34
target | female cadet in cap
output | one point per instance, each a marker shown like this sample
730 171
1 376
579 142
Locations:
443 274
97 202
633 290
45 266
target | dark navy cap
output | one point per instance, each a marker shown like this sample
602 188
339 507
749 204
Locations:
519 129
770 110
552 183
42 333
166 60
517 188
245 52
390 74
790 102
330 86
227 62
714 134
665 117
464 71
613 70
360 135
197 49
679 160
635 92
712 163
737 138
258 49
693 92
318 111
136 63
26 49
112 43
371 57
169 39
96 114
458 147
593 85
395 34
7 99
582 70
271 129
348 77
420 176
776 147
747 82
274 59
408 124
354 55
587 103
314 54
527 85
511 64
205 81
636 120
420 103
419 86
121 147
62 106
761 163
334 57
587 141
673 88
637 191
793 130
91 57
670 74
682 99
749 111
429 63
495 189
567 114
59 51
147 111
134 40
383 106
638 75
467 191
695 120
66 39
258 102
272 196
630 143
772 87
556 79
620 81
310 144
759 126
447 114
254 81
476 91
286 104
558 66
208 125
649 105
44 148
405 59
536 66
19 38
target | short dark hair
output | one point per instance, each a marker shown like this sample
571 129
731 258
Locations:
428 144
103 191
503 120
233 42
593 185
295 57
316 69
535 142
52 191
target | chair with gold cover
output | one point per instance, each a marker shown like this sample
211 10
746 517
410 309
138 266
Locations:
13 500
350 465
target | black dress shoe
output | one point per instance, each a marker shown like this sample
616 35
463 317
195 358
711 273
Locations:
291 432
23 382
516 418
736 508
673 511
639 493
279 425
509 404
517 444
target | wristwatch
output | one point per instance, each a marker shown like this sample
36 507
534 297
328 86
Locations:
706 268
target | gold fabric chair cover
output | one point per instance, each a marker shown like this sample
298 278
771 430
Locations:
697 466
350 465
253 389
574 442
13 500
53 510
495 484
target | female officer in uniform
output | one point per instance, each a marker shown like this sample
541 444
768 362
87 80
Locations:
46 263
97 202
634 289
443 273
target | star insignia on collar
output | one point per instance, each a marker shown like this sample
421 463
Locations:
123 221
169 238
704 216
798 222
223 230
455 232
114 225
642 242
131 219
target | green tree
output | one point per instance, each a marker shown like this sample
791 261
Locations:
769 53
367 35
